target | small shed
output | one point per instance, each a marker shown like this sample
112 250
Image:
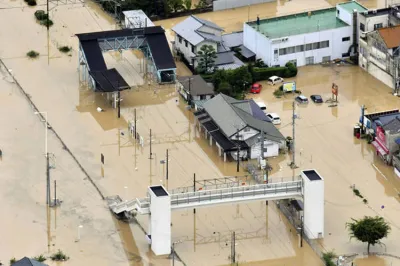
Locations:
196 87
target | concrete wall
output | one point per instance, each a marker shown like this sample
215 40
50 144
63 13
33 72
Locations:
271 149
186 51
344 15
380 74
227 4
264 47
392 146
246 134
369 22
257 43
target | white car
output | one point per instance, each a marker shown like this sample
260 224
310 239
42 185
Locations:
276 120
275 80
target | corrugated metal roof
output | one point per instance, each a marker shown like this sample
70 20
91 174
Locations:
391 36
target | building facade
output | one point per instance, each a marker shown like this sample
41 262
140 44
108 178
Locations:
379 41
305 38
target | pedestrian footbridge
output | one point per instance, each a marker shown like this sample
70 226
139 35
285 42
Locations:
159 203
273 191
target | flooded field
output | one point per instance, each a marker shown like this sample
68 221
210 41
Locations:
325 142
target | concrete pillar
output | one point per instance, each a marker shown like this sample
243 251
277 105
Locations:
210 140
205 133
224 156
219 150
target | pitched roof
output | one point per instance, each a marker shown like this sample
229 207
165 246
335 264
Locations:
393 126
232 115
25 261
208 23
189 30
233 39
391 36
198 86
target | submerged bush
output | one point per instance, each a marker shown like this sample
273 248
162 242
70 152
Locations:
32 54
31 2
65 49
59 256
46 22
41 15
40 258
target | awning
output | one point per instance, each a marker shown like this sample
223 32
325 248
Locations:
379 148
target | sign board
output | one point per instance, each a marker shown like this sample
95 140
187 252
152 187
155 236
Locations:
289 86
335 89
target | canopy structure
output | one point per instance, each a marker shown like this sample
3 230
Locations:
150 40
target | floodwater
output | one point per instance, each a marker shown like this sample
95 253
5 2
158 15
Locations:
264 234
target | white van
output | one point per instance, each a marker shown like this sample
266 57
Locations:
276 120
262 106
274 80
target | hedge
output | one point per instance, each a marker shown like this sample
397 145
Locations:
287 71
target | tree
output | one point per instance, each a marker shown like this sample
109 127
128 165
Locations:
202 4
369 229
187 4
206 59
175 5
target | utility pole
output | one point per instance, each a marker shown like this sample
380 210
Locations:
301 232
48 32
190 93
293 164
134 111
151 154
119 103
173 254
238 151
48 201
194 188
167 165
233 247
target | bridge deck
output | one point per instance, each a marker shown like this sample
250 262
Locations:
273 191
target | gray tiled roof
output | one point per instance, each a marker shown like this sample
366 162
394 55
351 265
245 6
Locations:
209 36
246 52
232 115
208 23
234 39
198 86
392 126
224 58
188 29
25 261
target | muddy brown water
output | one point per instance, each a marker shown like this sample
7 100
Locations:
325 142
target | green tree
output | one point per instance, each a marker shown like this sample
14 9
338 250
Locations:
206 59
240 80
187 4
369 229
224 88
202 4
175 5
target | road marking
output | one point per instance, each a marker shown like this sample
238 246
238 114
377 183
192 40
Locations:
376 168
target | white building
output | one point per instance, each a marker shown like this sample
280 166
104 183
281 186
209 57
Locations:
305 38
192 33
379 39
137 19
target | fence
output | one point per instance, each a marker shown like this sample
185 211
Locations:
132 132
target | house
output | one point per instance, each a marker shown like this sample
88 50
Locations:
305 38
25 261
192 33
234 124
379 53
195 88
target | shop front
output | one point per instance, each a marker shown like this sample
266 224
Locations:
380 145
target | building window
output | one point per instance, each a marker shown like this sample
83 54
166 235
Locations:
186 43
338 12
315 45
291 50
362 27
192 48
180 39
345 39
276 52
324 44
345 54
282 51
299 48
378 26
310 60
326 59
308 46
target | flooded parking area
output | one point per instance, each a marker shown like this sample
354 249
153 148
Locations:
264 236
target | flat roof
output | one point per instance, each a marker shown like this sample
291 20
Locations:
159 191
353 5
312 175
319 20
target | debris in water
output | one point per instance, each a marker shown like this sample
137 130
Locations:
99 109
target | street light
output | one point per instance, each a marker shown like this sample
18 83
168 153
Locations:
45 131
